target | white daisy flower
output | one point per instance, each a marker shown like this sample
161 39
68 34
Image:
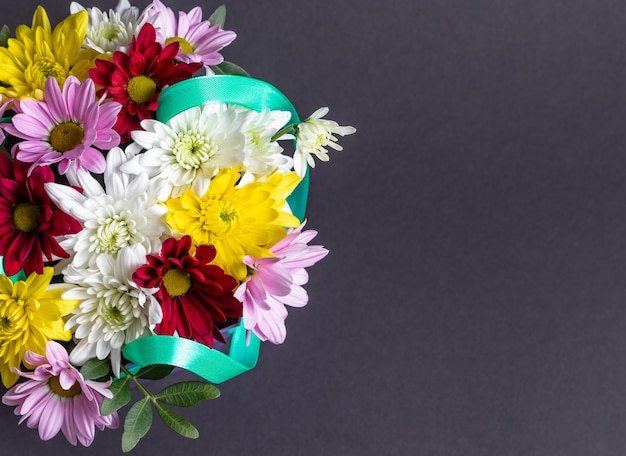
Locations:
113 310
112 31
313 136
262 155
123 215
189 149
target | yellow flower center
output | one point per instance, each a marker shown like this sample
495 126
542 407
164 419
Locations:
55 385
176 282
218 216
182 42
66 136
49 68
140 89
25 217
321 140
13 319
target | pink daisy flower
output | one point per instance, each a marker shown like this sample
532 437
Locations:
276 282
199 41
67 128
56 398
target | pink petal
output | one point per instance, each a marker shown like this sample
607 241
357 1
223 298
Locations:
54 99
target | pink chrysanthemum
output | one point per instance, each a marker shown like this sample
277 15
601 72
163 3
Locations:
195 296
276 282
199 40
30 223
56 398
67 128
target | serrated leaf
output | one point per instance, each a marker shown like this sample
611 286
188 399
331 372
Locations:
229 68
137 424
121 396
186 394
155 372
95 368
177 423
5 34
219 16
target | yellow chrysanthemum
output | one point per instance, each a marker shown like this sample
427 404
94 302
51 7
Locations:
237 221
30 316
38 52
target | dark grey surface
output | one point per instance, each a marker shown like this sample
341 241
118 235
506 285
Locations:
473 300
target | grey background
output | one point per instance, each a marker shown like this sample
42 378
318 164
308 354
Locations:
473 300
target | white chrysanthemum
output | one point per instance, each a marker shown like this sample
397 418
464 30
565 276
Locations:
113 310
262 155
123 215
313 136
189 150
112 31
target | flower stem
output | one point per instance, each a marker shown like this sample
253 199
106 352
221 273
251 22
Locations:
282 131
138 383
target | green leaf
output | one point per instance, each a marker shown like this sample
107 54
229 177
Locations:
177 423
219 16
185 394
5 34
137 424
155 372
229 68
121 396
95 368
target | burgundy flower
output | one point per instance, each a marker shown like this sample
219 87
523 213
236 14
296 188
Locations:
195 296
29 221
135 79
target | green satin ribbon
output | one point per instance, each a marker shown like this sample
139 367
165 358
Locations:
210 364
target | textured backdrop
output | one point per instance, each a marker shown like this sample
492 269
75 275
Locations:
473 299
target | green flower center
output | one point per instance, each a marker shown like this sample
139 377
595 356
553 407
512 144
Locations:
182 43
110 31
192 149
140 89
112 234
55 385
176 282
25 217
114 316
66 136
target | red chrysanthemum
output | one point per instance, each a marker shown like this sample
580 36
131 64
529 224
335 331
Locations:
29 221
135 79
195 296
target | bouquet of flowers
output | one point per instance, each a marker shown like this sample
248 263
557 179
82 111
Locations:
150 217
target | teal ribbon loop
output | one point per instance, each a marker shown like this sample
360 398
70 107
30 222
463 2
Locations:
210 364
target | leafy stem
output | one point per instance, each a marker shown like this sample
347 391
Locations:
134 378
139 417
